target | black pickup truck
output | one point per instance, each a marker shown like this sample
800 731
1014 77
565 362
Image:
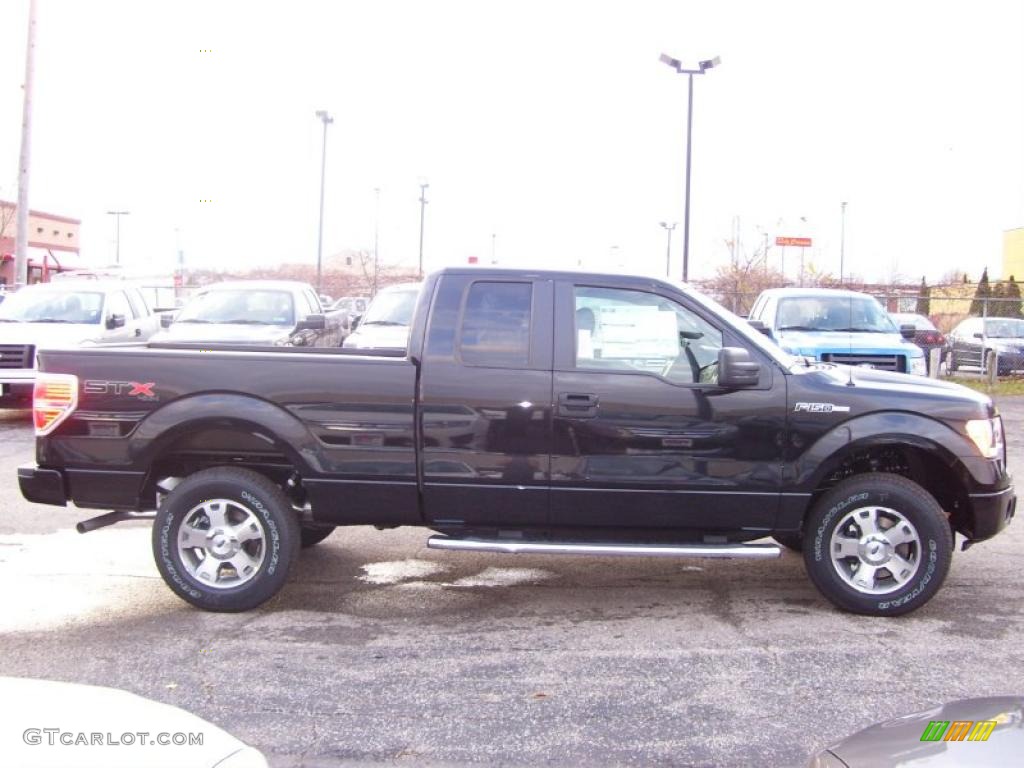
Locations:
533 412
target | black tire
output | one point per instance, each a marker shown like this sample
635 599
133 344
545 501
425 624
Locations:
892 497
265 506
793 541
312 534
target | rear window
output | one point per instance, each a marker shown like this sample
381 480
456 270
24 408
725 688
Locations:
496 325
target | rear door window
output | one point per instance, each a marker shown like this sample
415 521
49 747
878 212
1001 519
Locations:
495 327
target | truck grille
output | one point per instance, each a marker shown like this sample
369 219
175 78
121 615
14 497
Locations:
881 362
17 356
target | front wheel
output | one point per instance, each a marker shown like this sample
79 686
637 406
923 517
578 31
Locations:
878 545
225 538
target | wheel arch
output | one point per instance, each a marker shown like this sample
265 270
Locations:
230 425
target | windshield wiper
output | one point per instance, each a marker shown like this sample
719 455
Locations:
801 328
382 322
862 330
49 320
8 320
245 321
192 320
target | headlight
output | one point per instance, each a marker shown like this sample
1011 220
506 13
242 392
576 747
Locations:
918 367
987 434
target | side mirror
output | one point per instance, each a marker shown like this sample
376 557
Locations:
312 323
736 368
115 321
166 319
758 325
908 332
354 321
979 336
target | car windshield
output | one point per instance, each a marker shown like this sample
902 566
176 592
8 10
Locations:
52 306
392 307
240 306
853 314
1005 329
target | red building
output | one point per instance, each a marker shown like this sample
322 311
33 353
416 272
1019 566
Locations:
52 244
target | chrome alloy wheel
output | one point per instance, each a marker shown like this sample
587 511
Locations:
875 550
222 543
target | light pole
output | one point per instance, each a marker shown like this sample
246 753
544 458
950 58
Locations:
494 248
326 119
117 237
376 239
702 67
668 248
423 207
842 242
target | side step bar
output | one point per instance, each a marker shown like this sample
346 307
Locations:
521 547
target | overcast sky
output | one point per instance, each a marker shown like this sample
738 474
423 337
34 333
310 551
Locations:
549 124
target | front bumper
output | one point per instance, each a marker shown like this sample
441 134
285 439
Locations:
992 512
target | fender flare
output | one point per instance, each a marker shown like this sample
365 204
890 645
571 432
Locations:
161 427
899 428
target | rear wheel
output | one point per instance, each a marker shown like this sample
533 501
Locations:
225 538
878 545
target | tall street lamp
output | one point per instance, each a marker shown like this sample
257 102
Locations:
117 237
423 206
668 248
702 67
326 119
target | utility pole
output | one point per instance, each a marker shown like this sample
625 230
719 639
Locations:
842 242
327 120
668 248
117 234
376 239
423 206
21 215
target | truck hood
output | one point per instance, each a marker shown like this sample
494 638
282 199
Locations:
814 343
50 335
223 333
378 337
943 399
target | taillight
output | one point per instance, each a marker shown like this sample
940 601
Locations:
54 398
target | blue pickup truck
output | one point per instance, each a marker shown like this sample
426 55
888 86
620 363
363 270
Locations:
837 326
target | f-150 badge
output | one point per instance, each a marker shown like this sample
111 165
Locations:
820 408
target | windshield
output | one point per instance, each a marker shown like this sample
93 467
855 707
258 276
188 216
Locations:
854 314
1005 329
392 307
241 306
52 306
742 327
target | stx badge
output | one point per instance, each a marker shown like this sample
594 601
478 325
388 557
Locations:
141 390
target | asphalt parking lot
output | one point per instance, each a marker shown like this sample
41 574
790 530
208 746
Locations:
381 651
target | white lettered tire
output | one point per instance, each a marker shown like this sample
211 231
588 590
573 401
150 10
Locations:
878 544
225 538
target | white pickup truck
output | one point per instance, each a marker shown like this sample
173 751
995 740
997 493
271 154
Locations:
61 315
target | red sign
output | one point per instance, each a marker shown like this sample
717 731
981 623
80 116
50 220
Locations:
802 242
474 259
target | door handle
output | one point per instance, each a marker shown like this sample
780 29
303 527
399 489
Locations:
138 331
577 405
